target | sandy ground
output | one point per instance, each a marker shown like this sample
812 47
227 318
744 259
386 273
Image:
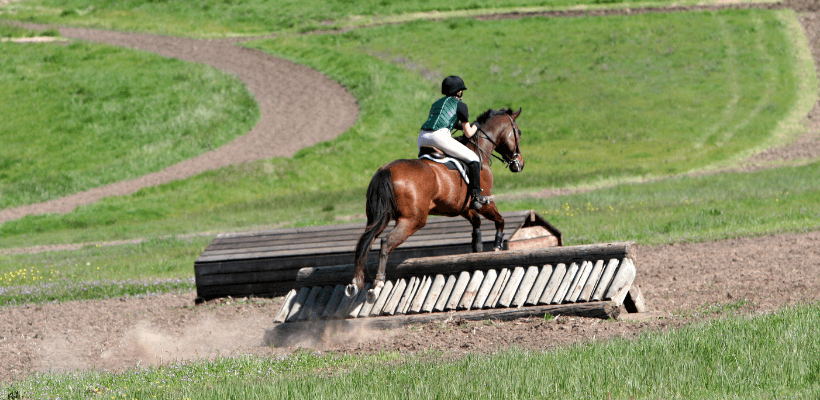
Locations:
683 282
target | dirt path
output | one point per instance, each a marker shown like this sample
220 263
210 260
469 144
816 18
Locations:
686 282
285 91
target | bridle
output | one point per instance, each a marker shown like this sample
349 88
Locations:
508 161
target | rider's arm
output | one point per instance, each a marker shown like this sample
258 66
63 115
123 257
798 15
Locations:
469 129
463 118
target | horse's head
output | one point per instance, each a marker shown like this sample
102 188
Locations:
505 136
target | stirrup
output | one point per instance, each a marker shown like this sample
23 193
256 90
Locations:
479 201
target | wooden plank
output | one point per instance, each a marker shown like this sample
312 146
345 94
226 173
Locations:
445 293
572 270
333 303
498 288
335 245
290 334
634 302
344 305
320 303
274 249
296 307
552 286
484 290
367 306
525 286
621 282
382 300
470 292
511 288
539 285
285 310
359 302
592 281
458 291
511 217
307 308
421 295
433 295
606 279
395 297
580 282
407 296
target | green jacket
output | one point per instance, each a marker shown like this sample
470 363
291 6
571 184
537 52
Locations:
442 114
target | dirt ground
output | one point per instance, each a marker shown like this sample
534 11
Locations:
683 282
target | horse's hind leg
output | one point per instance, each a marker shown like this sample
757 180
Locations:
404 228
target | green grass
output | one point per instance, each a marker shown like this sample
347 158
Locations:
253 17
768 356
588 128
80 116
15 32
97 272
692 209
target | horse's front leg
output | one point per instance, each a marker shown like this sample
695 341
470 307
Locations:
490 212
475 221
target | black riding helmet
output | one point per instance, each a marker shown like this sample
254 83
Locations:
451 85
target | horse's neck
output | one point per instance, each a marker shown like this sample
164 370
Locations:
486 145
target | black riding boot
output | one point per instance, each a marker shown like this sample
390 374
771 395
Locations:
478 199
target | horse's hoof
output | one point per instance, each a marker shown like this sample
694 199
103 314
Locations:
496 249
351 290
371 296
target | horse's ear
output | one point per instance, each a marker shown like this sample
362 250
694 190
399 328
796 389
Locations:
517 113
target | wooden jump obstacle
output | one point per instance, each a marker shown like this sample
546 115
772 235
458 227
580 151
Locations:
268 263
590 280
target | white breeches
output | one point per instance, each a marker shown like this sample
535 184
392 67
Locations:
442 140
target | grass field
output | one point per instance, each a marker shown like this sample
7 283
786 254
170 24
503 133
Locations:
216 18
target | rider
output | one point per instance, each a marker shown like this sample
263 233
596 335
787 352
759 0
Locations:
436 133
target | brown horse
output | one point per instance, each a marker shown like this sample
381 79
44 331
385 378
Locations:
407 191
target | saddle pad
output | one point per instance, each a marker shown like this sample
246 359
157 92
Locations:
451 163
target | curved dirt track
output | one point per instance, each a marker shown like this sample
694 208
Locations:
685 282
286 93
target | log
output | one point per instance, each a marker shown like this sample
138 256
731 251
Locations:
564 287
383 297
458 290
445 293
539 285
472 290
292 333
555 281
525 286
455 264
511 287
592 282
435 291
484 290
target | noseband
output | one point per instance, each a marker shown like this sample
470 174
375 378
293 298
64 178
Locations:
508 161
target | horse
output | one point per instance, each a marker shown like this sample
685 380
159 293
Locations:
407 191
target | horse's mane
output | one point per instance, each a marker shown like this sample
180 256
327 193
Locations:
483 118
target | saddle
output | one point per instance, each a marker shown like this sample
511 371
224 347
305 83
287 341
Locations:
452 163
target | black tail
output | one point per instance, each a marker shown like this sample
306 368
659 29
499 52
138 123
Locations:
381 209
